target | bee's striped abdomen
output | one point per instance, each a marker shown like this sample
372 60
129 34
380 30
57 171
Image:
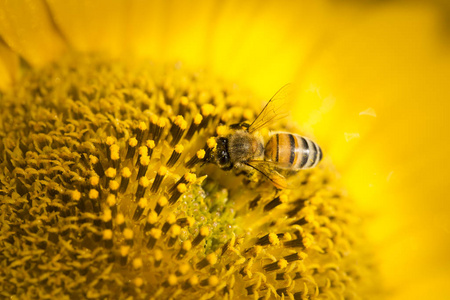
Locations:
292 151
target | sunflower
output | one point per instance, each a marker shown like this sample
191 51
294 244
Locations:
110 111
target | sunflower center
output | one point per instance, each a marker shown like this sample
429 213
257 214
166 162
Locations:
107 192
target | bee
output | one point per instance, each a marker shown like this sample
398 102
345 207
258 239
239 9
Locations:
246 149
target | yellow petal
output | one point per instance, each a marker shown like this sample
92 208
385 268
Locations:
27 29
170 30
92 26
373 91
395 62
9 67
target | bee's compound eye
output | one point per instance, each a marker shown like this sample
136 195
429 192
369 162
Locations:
224 158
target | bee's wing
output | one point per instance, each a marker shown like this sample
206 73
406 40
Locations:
276 109
267 169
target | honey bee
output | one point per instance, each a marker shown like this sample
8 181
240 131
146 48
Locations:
246 149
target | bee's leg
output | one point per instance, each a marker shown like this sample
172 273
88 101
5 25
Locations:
245 125
241 125
228 168
289 173
241 172
248 175
241 169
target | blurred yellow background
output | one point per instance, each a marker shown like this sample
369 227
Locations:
373 88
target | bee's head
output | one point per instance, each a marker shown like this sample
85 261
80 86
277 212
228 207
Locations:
221 155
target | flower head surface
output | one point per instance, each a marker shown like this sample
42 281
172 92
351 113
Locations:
105 194
373 78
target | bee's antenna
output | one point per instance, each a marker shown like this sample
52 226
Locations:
267 176
241 125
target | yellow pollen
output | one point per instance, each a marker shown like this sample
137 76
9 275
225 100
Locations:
162 171
181 188
94 180
110 172
198 119
307 241
111 200
143 202
150 144
175 230
221 130
282 263
125 172
273 239
172 280
142 126
163 201
179 148
138 281
133 142
207 109
284 198
211 258
171 218
144 160
113 185
137 263
213 280
143 151
190 177
204 231
114 148
184 268
155 233
124 250
248 114
201 154
76 195
161 122
184 100
107 215
143 181
93 159
193 281
191 221
310 217
211 142
158 254
115 155
154 119
287 236
107 234
110 140
225 118
128 233
120 219
178 119
93 194
152 217
187 245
